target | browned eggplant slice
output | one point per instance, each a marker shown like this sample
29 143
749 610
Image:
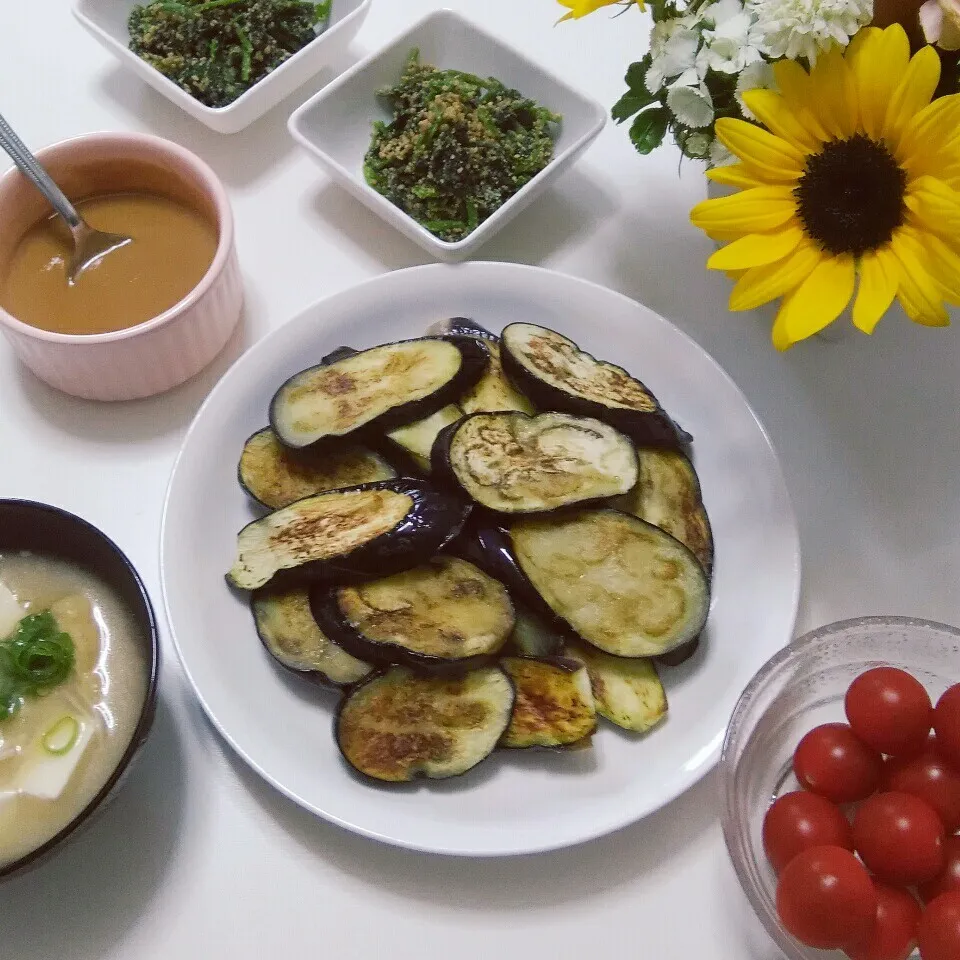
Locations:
398 726
622 585
377 389
276 476
460 327
443 614
556 374
348 535
289 632
628 693
415 440
554 705
513 463
493 390
668 495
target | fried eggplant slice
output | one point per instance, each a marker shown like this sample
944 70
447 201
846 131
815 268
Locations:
444 614
668 495
378 389
493 391
535 636
346 535
415 440
516 464
554 705
398 726
289 632
621 584
628 693
556 374
460 327
276 476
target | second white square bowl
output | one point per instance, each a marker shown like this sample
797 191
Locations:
106 21
337 123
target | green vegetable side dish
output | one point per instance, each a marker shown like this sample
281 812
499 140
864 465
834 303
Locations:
37 658
216 50
458 148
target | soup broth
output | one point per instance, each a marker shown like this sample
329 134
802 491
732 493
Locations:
42 792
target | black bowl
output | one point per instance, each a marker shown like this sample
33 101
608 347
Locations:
52 532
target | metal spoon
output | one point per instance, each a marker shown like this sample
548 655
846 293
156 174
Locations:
89 245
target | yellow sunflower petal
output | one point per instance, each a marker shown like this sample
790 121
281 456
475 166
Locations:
734 175
877 61
793 82
816 303
944 265
757 249
773 158
834 95
918 292
775 114
760 285
913 93
927 134
878 286
749 211
935 205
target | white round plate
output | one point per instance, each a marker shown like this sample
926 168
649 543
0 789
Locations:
515 802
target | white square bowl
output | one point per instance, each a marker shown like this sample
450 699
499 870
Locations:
336 125
106 21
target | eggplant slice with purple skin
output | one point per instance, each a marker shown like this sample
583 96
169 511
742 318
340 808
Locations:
398 726
535 636
554 705
556 374
621 584
375 390
442 616
461 327
291 635
512 463
276 476
415 441
348 535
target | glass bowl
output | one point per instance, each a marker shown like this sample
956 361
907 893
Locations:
800 688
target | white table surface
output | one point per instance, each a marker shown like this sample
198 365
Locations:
197 857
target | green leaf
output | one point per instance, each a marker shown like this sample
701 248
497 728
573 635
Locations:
649 129
637 73
630 103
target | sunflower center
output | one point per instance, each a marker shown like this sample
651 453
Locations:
850 197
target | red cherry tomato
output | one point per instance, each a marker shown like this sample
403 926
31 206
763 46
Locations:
895 932
825 898
948 880
900 838
890 711
831 761
939 933
946 721
798 821
929 777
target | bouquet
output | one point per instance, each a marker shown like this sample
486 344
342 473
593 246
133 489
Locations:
836 140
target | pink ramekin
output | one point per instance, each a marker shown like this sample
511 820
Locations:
163 352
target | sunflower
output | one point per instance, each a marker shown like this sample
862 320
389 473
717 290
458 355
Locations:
852 192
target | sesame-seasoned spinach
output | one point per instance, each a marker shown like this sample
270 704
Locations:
459 146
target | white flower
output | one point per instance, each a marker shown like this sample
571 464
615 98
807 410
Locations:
757 76
729 46
940 22
673 49
806 28
721 11
692 106
720 156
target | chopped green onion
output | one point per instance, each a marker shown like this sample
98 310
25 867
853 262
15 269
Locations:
38 657
61 737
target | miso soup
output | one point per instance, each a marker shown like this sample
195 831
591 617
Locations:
60 744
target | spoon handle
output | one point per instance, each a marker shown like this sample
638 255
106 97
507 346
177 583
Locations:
30 167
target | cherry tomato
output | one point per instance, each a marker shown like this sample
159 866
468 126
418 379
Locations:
939 933
929 777
895 931
831 761
825 898
900 838
798 821
948 880
946 721
890 711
